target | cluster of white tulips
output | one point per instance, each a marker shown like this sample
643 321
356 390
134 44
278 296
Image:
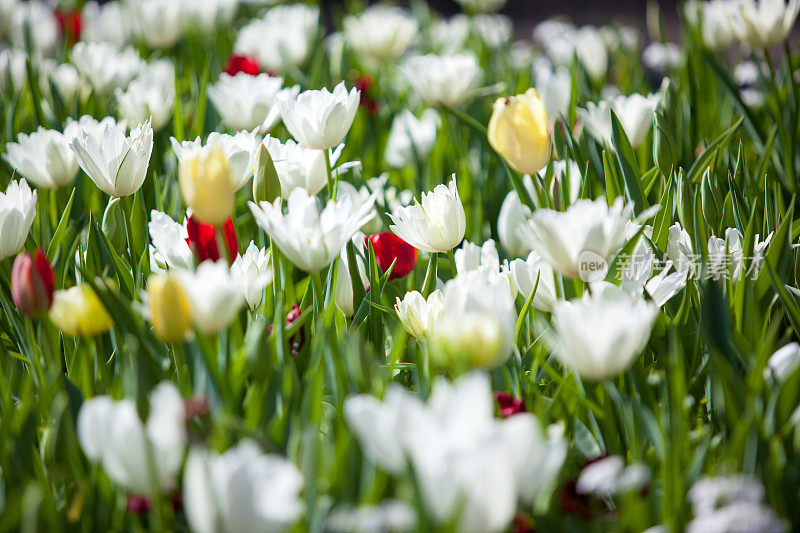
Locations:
302 266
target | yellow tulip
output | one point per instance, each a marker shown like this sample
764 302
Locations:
78 311
170 313
206 185
518 131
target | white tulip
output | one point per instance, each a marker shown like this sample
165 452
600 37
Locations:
247 102
214 294
388 515
592 52
713 20
67 81
731 503
105 66
297 166
494 30
242 490
141 457
600 335
159 23
150 95
565 170
588 229
783 362
253 271
17 211
240 151
436 224
725 256
108 22
44 33
380 32
410 138
13 69
554 85
470 467
609 476
443 79
344 282
764 23
513 214
526 272
282 39
209 15
449 36
118 163
417 314
679 248
44 157
168 245
320 119
92 127
309 237
635 114
662 57
485 260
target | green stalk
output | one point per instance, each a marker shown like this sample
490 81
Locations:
452 257
430 275
331 178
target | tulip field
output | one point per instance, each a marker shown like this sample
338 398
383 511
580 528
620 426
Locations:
274 266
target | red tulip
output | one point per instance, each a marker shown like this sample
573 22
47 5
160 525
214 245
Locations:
242 63
203 240
70 24
297 340
32 283
508 404
389 247
363 84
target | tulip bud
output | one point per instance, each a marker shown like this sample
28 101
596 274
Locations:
508 405
202 239
518 131
170 313
206 186
241 63
388 248
464 341
32 282
664 151
78 311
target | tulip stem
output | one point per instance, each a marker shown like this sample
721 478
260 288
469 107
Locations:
331 178
451 256
430 275
316 285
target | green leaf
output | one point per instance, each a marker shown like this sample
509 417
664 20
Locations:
266 186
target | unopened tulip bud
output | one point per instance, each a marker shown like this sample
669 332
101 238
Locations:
518 131
462 342
170 312
391 248
78 311
32 282
206 185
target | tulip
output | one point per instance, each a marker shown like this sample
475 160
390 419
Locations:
207 187
38 15
240 150
297 166
253 271
214 296
106 22
32 282
485 261
783 362
169 308
159 23
713 21
241 490
320 119
69 24
411 139
417 314
140 457
17 211
282 39
764 23
44 157
150 95
527 273
170 246
508 404
466 340
116 163
380 32
600 335
330 227
242 63
587 230
344 282
203 239
390 248
554 84
518 131
78 312
436 224
248 102
635 113
513 214
447 79
106 66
